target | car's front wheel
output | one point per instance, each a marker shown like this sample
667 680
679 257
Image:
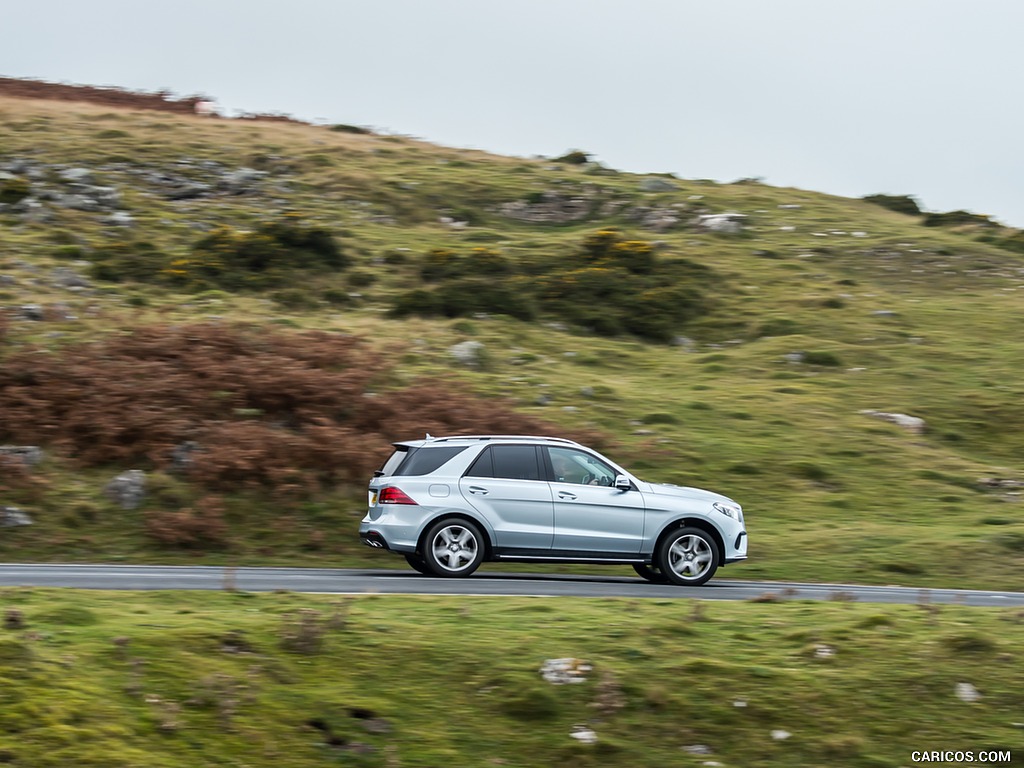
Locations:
688 557
453 548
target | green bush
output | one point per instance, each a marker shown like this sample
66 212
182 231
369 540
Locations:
822 358
899 203
335 297
573 157
419 302
809 471
361 278
69 252
294 298
128 261
277 253
14 190
777 326
1013 242
659 418
343 128
957 219
486 262
438 264
530 702
610 285
469 296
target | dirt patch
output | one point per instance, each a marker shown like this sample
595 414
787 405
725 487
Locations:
161 101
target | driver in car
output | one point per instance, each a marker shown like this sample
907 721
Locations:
568 471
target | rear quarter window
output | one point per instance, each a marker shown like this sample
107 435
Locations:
423 461
393 462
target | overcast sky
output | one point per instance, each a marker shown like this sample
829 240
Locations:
850 97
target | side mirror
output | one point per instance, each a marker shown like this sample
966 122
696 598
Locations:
623 483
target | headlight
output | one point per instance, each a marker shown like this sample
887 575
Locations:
729 510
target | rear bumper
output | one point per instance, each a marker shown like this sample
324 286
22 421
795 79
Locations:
373 539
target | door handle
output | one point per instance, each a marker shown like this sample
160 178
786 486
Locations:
478 491
566 495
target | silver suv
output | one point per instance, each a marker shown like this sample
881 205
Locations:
449 503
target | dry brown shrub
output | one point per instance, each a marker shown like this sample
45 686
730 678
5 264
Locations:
16 477
292 412
199 527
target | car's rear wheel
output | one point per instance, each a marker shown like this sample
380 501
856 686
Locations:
453 548
688 557
417 564
650 572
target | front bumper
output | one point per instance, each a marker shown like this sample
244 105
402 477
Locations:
739 549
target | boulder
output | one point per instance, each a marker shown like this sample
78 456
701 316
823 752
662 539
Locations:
12 517
181 455
78 202
468 353
127 489
63 277
77 175
657 185
967 693
910 423
119 219
29 455
32 312
722 223
567 670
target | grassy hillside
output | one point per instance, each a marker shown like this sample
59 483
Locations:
181 679
740 362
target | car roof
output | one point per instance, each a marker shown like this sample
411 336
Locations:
471 439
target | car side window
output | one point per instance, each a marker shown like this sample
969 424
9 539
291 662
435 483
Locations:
579 467
510 462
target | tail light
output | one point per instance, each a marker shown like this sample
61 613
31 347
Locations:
393 495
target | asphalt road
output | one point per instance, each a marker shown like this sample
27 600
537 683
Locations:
353 581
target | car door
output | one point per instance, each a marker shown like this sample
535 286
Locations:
507 486
591 515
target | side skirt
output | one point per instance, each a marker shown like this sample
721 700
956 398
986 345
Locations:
554 556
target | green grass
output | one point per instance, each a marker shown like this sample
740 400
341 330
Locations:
181 679
829 493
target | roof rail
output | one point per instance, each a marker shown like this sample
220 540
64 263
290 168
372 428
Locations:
503 437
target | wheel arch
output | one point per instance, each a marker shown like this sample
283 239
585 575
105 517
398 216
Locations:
457 515
691 522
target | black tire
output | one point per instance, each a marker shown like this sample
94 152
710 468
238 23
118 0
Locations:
688 557
417 564
459 542
650 572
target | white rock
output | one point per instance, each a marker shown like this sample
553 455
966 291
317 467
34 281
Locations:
11 517
467 352
967 692
911 423
781 735
586 735
697 749
724 223
562 671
